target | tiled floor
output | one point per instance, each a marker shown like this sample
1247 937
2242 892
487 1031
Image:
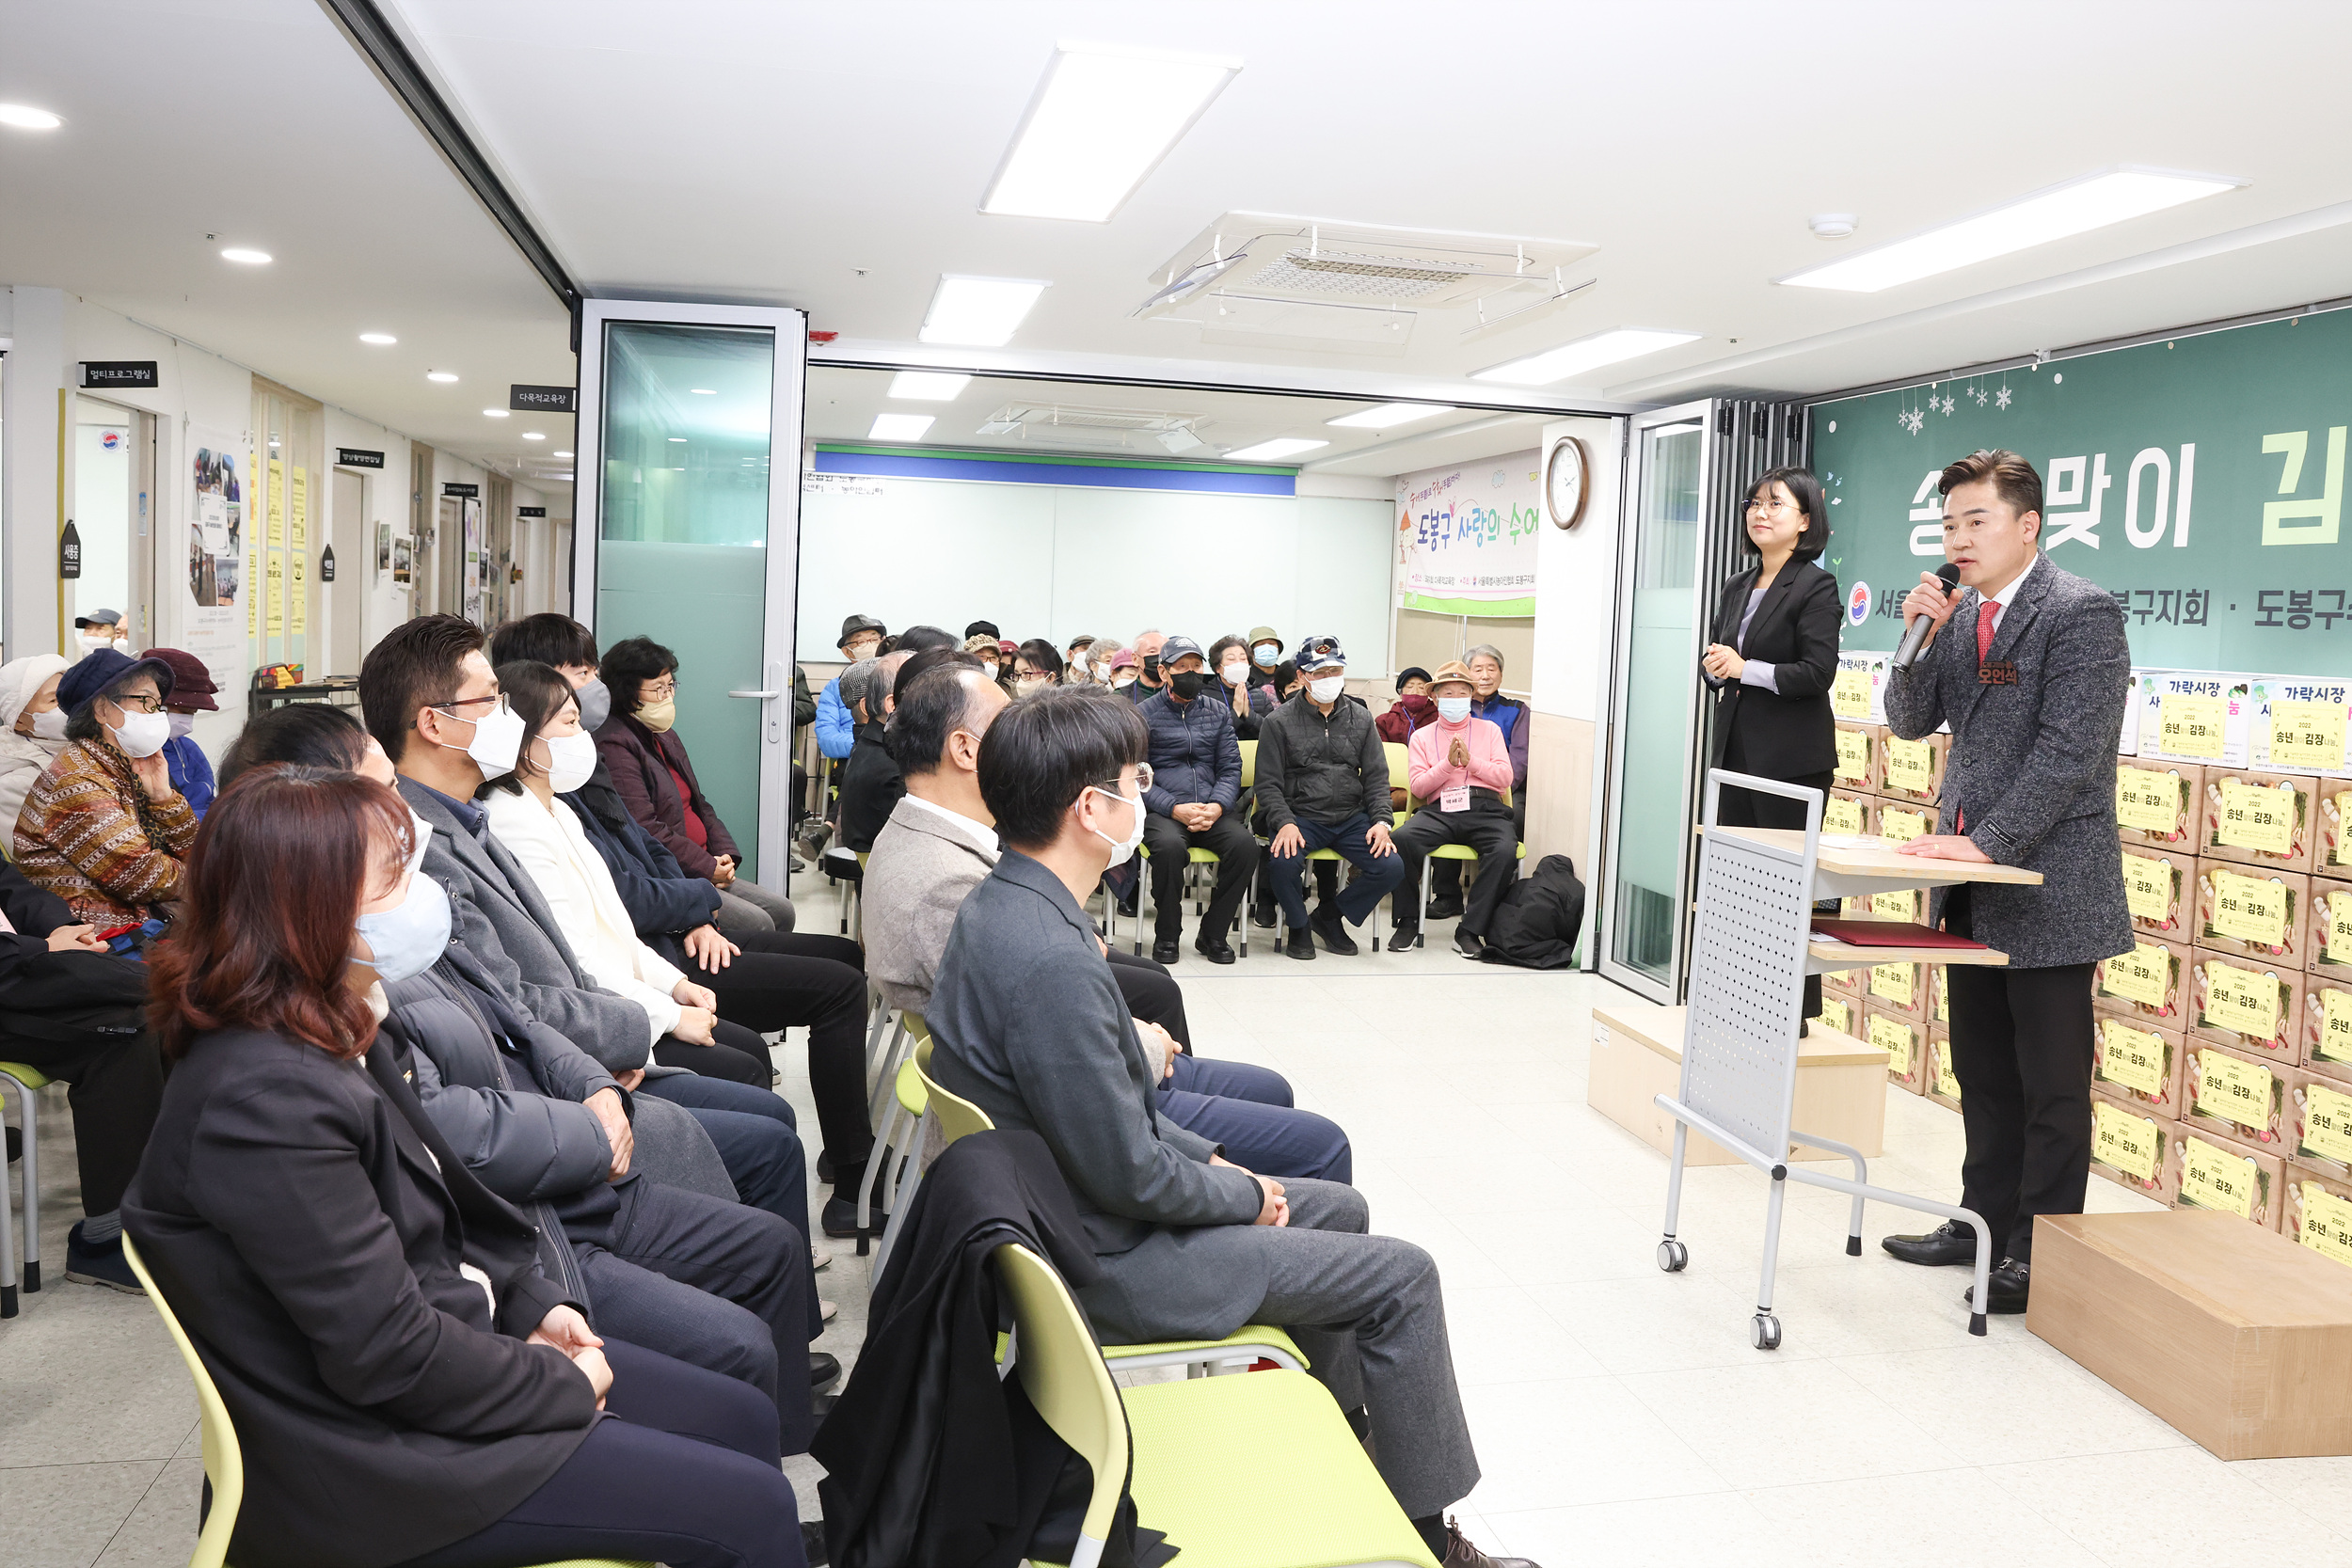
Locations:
1620 1415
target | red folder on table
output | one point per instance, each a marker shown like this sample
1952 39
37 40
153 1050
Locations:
1888 933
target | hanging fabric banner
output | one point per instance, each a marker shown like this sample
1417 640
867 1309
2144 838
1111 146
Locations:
1465 537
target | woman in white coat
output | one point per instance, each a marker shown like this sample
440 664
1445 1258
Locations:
32 730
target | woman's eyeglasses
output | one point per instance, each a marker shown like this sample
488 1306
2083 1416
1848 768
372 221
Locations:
656 690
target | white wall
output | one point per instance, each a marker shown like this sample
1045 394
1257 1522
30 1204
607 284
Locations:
1577 581
383 604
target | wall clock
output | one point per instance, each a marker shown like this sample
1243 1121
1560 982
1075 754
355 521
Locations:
1564 483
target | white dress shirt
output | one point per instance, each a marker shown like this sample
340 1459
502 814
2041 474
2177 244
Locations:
2006 595
981 835
578 886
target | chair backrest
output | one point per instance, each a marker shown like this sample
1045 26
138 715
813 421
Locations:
1061 1371
1400 764
1249 763
914 1025
957 1115
224 1462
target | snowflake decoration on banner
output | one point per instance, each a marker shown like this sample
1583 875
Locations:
2002 398
1948 405
1981 397
1913 418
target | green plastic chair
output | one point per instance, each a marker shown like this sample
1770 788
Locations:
224 1460
905 1097
1202 1449
1448 852
1195 857
29 1082
1249 781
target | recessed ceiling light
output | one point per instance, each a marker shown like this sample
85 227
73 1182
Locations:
677 440
898 427
25 118
379 339
703 391
533 436
559 454
928 386
2075 207
981 312
1585 353
1389 414
1101 121
440 376
1274 451
248 256
496 412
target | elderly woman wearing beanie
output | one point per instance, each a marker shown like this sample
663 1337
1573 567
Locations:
101 828
32 727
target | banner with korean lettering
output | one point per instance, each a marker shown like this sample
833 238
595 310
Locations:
2199 479
1467 537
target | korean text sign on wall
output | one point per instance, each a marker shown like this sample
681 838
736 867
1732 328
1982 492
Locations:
1466 536
2199 480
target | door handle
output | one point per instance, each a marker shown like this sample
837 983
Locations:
761 694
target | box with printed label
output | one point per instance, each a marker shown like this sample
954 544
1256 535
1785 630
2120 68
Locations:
1939 993
1943 1084
1901 821
1906 1042
1908 904
2236 1095
1857 693
1858 755
2331 847
2254 1006
2149 982
1913 769
2251 912
2266 819
2210 1171
2300 723
2195 716
2317 1127
2132 1148
2328 952
1897 989
1839 1015
2157 802
1847 982
2160 890
2138 1062
2317 1213
2326 1028
1848 812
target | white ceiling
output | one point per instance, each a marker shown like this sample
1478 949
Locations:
832 156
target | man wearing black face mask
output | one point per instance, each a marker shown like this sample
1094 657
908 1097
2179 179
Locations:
1194 801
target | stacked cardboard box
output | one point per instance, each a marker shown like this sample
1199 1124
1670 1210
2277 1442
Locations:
1892 1006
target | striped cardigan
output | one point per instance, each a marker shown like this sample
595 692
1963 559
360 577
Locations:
83 836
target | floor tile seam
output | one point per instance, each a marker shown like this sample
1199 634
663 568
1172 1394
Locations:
85 1464
130 1514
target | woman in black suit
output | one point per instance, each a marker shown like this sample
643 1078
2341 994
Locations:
1773 660
408 1388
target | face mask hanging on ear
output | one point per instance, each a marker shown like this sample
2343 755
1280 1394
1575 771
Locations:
571 758
498 740
1121 849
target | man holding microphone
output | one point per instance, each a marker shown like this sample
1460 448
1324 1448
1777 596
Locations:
2032 674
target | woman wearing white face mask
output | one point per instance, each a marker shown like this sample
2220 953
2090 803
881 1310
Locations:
101 828
32 727
192 692
1248 702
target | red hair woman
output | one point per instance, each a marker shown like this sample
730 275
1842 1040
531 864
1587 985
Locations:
408 1388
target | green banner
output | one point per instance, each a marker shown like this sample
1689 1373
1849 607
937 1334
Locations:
2200 480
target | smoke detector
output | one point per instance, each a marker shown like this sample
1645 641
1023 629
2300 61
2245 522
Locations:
1833 226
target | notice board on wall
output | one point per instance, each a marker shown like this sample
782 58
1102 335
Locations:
2199 479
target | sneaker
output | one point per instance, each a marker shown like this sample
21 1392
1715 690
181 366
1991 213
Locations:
1333 930
1298 944
99 1265
1404 939
1468 945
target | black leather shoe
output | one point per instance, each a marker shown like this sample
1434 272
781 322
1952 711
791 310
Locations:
1443 909
2005 1287
813 1543
838 1218
1333 930
1948 1242
1298 944
1216 952
823 1369
1460 1553
1164 950
1467 944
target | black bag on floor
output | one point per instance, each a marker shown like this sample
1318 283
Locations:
1537 924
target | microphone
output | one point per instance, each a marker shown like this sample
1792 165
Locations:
1915 635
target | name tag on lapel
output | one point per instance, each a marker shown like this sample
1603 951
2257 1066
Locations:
1998 673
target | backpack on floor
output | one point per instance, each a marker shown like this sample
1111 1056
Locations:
1537 924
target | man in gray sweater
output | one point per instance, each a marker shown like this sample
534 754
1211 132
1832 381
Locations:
1029 1027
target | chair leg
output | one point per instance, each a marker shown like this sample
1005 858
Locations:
886 1081
874 1163
7 1244
31 1103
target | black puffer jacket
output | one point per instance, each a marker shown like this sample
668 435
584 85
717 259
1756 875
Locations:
1321 770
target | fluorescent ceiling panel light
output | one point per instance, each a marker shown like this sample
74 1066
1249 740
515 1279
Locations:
928 386
559 454
380 340
703 391
248 257
440 376
899 427
1099 123
980 311
677 440
1388 416
1274 451
496 412
25 118
2076 207
533 436
1585 353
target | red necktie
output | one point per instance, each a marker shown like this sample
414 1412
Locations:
1988 612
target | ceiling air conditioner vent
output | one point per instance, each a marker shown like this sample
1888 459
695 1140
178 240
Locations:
1061 426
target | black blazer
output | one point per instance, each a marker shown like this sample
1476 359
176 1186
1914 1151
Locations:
1790 733
289 1208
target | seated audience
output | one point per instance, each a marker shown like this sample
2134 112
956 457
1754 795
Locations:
980 628
101 828
1285 681
1123 668
1484 663
941 843
76 1011
369 1308
1030 1028
871 784
656 777
1412 709
1150 679
1080 666
1194 795
1460 765
861 638
32 728
1323 783
192 692
1232 691
1035 667
102 629
985 650
1266 653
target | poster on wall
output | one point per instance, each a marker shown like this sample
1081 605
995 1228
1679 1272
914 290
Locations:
298 552
274 562
471 534
1466 536
216 553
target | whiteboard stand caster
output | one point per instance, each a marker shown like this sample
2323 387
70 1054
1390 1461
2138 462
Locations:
1764 1332
1673 1256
